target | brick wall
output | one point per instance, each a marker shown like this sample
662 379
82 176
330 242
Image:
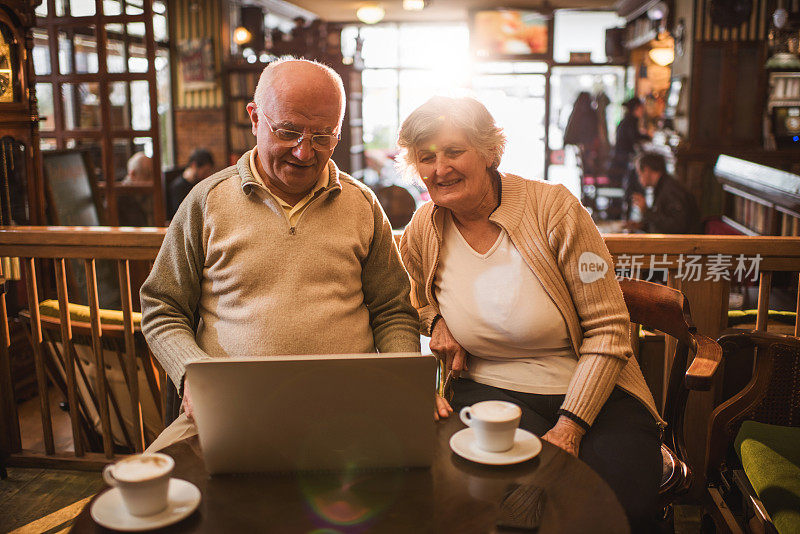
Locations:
200 128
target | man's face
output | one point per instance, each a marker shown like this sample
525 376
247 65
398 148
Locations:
203 171
293 170
647 176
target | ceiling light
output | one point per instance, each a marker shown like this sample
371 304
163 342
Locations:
414 5
662 56
370 14
241 36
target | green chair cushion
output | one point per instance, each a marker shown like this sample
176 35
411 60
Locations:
770 456
79 312
737 317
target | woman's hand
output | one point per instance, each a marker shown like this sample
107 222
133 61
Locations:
566 434
443 408
444 345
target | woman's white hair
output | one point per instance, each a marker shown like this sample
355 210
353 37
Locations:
464 113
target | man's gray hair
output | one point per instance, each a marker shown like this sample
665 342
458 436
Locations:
268 75
465 113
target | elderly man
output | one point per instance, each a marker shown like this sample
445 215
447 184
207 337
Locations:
281 253
133 207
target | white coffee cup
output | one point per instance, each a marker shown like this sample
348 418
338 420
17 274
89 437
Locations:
143 481
494 424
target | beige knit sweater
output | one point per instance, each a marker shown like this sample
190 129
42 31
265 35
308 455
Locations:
233 278
551 230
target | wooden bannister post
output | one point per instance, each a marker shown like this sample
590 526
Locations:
69 355
123 267
8 406
99 358
36 340
764 286
797 311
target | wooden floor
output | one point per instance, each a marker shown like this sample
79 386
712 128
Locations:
31 424
44 501
39 500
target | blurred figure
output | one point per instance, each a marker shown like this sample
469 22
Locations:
629 136
199 167
581 127
140 170
673 211
582 131
134 208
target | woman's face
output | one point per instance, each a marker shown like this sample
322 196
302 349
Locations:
453 170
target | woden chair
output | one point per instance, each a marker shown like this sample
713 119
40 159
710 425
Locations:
753 454
657 307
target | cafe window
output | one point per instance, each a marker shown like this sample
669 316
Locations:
101 91
404 65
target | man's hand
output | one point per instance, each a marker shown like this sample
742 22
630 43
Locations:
638 200
566 434
444 345
188 409
443 408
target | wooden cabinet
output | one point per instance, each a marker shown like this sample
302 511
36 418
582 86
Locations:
21 192
729 90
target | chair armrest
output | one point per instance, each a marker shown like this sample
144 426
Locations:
704 365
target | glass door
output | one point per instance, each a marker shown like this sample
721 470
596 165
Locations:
606 88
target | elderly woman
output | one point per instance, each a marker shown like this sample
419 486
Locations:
498 275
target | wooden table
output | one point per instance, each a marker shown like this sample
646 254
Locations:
454 495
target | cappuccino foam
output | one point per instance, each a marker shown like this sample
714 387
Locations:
495 411
140 468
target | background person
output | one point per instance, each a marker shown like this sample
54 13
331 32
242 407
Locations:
199 167
629 137
673 211
135 208
494 262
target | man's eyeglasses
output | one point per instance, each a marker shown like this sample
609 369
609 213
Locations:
290 138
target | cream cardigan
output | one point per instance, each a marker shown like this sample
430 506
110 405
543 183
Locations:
556 237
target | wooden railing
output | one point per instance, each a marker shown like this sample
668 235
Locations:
55 245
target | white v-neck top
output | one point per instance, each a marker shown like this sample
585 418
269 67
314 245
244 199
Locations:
497 309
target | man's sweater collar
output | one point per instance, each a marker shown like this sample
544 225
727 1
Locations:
507 215
249 181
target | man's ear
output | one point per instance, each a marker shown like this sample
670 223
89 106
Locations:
252 111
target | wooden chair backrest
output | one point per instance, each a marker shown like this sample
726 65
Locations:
658 307
772 395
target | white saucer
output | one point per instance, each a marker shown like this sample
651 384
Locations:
526 446
109 510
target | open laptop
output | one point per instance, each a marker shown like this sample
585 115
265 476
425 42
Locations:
317 412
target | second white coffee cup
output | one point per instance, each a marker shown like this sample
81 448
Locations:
143 481
494 424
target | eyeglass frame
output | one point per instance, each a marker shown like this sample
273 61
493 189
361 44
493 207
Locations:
301 135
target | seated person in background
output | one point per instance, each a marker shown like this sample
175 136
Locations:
281 253
199 167
495 266
135 208
674 210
